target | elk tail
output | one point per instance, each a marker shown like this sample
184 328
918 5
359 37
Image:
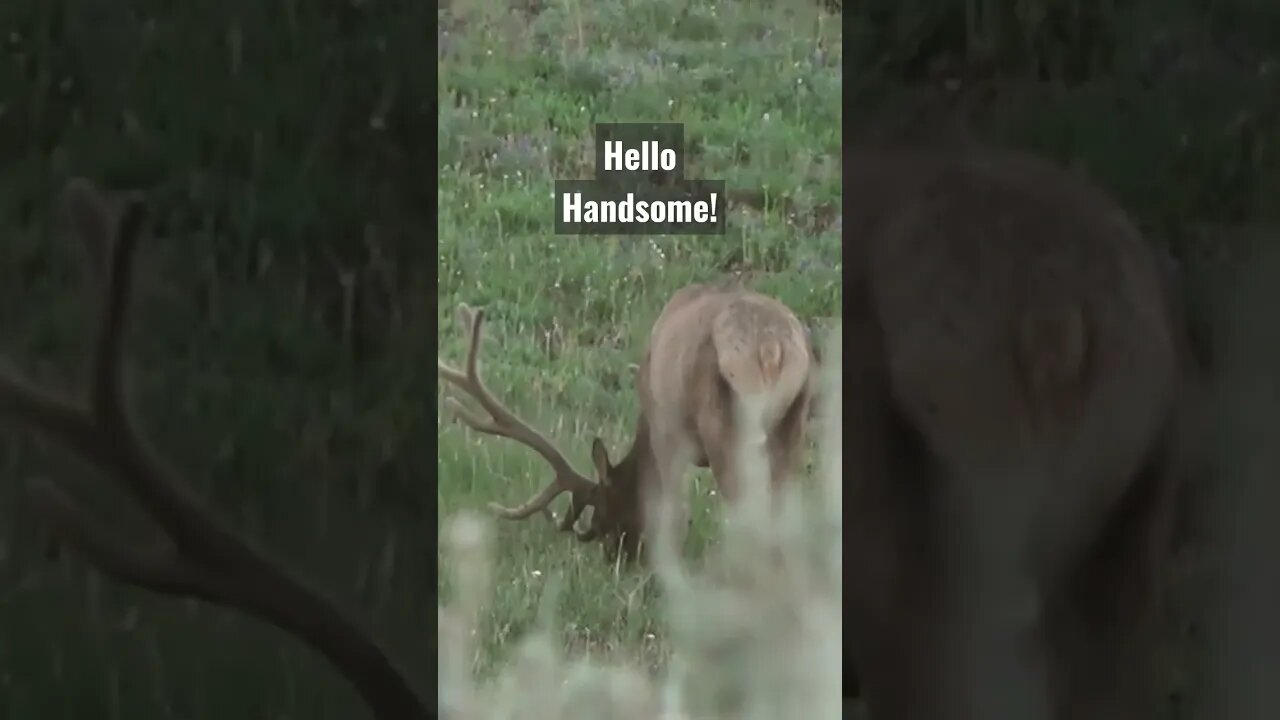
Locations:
770 357
1054 351
753 380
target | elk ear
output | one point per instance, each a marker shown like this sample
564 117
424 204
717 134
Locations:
600 458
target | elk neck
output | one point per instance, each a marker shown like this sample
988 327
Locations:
627 472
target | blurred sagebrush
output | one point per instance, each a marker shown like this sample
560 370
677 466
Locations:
756 633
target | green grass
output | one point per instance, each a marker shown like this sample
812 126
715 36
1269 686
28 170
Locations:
757 86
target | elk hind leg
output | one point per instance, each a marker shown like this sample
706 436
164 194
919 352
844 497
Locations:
1106 635
787 439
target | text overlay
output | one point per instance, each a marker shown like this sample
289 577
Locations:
640 188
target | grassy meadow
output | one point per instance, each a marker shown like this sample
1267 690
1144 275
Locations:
757 86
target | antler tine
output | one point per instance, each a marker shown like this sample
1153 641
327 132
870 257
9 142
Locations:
504 423
200 557
531 506
107 393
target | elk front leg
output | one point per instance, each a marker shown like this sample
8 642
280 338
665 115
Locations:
666 504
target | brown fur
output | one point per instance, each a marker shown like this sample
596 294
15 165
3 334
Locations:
709 349
1011 385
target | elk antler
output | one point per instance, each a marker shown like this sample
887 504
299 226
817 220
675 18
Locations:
200 557
503 423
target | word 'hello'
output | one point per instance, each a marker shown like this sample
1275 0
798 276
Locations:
649 156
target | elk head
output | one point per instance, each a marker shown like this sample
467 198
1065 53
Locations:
716 358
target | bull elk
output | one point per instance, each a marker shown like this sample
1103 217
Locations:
198 556
1011 405
723 366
